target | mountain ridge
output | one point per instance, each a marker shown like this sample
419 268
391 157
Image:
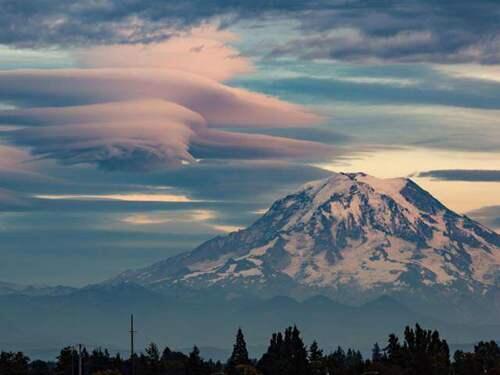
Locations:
7 288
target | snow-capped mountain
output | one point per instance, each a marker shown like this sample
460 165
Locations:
350 236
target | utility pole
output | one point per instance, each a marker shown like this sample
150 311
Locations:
79 359
132 332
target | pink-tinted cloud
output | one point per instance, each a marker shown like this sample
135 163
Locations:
218 104
202 51
142 134
17 171
217 143
130 111
154 106
114 135
12 158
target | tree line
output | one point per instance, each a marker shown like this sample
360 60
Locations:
418 351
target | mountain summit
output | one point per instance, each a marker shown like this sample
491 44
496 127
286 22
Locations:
350 236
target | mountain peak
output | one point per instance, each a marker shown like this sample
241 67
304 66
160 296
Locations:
351 236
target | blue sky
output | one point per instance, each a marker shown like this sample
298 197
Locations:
133 131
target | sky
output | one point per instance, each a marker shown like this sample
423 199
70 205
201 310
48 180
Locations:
133 130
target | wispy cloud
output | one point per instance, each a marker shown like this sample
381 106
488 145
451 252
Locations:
489 216
463 175
155 218
128 197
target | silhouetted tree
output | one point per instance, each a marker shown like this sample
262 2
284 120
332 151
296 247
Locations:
488 355
67 362
39 367
420 352
98 360
271 361
377 355
152 360
174 363
298 358
239 356
286 355
316 359
394 350
13 363
107 372
466 364
195 364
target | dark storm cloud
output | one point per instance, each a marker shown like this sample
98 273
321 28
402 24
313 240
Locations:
463 175
415 30
409 31
122 21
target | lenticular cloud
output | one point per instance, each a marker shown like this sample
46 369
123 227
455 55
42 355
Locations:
144 118
150 106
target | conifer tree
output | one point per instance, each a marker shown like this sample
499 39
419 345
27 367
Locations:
269 362
67 361
239 357
195 364
240 352
39 367
13 363
394 350
316 359
315 353
335 361
153 359
488 355
377 355
299 358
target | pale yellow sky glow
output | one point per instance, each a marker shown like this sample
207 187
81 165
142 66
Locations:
486 72
226 228
201 216
457 195
146 218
